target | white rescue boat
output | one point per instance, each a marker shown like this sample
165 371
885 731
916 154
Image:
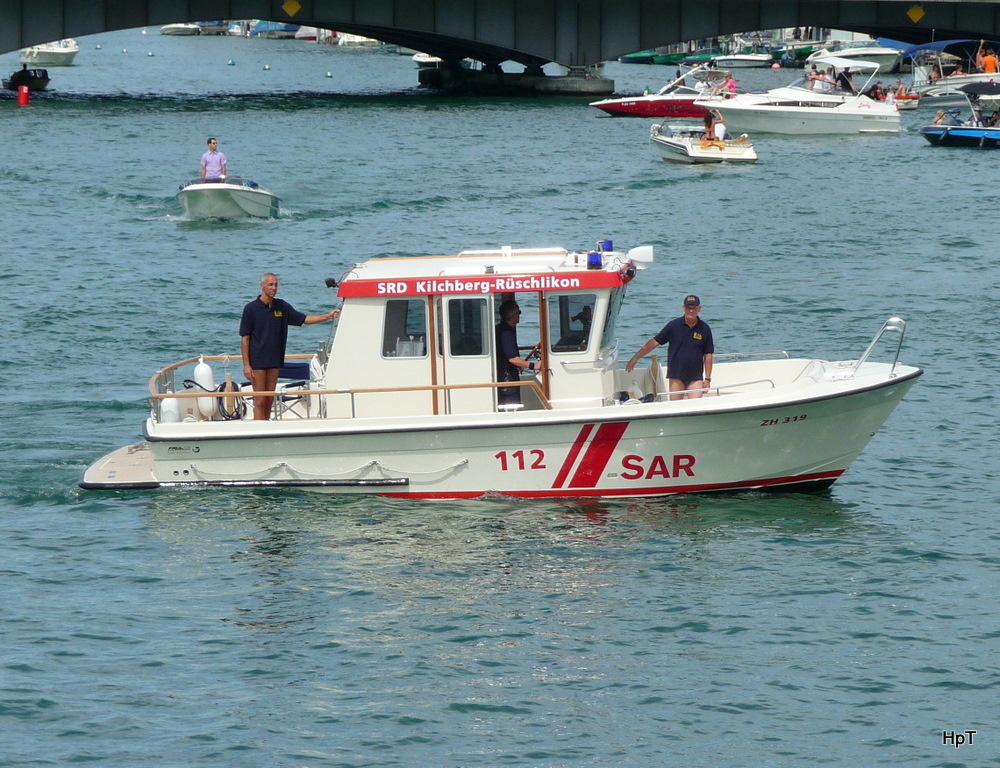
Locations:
402 398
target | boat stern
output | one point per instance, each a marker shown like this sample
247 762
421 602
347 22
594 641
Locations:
128 467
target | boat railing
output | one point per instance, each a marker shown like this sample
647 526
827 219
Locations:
238 180
738 356
161 388
896 324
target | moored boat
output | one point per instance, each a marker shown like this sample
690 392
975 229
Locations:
59 53
887 57
402 400
180 29
230 198
689 146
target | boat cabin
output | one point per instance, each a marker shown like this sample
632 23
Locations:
417 335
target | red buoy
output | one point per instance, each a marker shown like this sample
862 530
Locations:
23 97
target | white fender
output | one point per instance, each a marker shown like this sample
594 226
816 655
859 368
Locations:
170 410
203 376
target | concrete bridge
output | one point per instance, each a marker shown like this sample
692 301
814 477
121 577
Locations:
574 33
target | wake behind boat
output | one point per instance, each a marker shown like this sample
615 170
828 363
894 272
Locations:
231 198
402 400
689 145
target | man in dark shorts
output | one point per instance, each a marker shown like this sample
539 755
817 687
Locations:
264 332
689 354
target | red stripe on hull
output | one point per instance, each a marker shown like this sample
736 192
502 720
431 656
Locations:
574 451
588 474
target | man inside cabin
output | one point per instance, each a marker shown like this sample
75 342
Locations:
509 360
264 332
689 354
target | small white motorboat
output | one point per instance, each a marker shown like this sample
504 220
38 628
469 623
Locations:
231 198
887 58
689 145
180 29
59 53
403 399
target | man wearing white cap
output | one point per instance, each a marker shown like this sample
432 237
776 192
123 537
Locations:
689 352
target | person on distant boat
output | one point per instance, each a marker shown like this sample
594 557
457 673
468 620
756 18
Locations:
875 93
264 333
690 352
935 74
846 81
957 70
213 163
508 355
990 62
728 87
718 127
900 89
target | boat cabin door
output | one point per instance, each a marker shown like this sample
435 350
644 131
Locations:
465 344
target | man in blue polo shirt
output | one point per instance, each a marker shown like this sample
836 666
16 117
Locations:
689 354
264 332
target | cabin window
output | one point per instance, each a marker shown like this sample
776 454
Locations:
615 302
571 317
405 332
467 326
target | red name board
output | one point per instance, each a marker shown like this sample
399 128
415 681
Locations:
429 286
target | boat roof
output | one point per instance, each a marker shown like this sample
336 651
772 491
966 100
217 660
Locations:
981 89
500 270
940 45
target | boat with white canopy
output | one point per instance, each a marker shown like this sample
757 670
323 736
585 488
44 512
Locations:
808 106
401 400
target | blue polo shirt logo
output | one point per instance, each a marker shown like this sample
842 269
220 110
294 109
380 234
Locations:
697 335
278 313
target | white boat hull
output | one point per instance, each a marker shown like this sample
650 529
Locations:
744 61
57 54
802 436
180 29
694 150
228 201
797 111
